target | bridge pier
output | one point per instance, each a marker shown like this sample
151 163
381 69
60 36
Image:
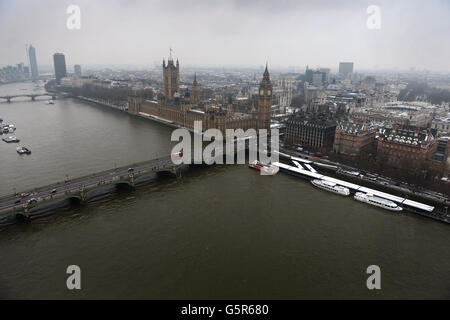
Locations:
25 215
131 178
176 173
26 211
8 100
53 97
82 195
33 98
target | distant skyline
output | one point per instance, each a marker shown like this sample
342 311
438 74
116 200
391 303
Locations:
230 33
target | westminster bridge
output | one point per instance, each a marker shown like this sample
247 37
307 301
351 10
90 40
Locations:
33 96
27 204
23 205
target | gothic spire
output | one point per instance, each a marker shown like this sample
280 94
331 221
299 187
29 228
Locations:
266 75
195 79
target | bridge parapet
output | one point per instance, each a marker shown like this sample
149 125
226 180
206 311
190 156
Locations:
77 189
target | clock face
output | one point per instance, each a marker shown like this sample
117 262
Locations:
268 92
261 92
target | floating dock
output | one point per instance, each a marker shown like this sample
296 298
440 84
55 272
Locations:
407 204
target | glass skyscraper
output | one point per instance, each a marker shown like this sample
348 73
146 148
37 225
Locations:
59 62
33 62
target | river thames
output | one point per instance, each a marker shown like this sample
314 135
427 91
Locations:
220 232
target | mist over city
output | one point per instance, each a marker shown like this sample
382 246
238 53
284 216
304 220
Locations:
228 33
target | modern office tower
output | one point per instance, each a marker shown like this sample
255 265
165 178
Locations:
345 68
77 70
33 62
59 62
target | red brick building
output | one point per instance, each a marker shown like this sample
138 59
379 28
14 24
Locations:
352 139
402 144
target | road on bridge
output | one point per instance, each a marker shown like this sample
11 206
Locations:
73 187
8 203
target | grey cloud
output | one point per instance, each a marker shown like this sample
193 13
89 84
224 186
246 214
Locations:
230 32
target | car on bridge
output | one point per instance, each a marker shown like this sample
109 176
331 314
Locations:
24 194
53 191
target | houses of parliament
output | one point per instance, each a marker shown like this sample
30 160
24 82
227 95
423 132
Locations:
183 110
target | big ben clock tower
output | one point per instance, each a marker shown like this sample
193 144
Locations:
264 102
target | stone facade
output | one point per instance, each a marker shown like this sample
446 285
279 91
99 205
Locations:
353 139
171 77
402 143
183 111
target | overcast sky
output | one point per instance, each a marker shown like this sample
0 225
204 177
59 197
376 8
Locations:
231 32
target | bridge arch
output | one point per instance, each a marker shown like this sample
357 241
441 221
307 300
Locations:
166 173
124 185
73 199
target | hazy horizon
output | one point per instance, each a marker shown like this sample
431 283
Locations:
225 33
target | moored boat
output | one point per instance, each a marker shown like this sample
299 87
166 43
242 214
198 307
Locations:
377 201
331 186
11 139
265 169
23 150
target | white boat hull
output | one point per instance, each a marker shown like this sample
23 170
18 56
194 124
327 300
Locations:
365 199
334 189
